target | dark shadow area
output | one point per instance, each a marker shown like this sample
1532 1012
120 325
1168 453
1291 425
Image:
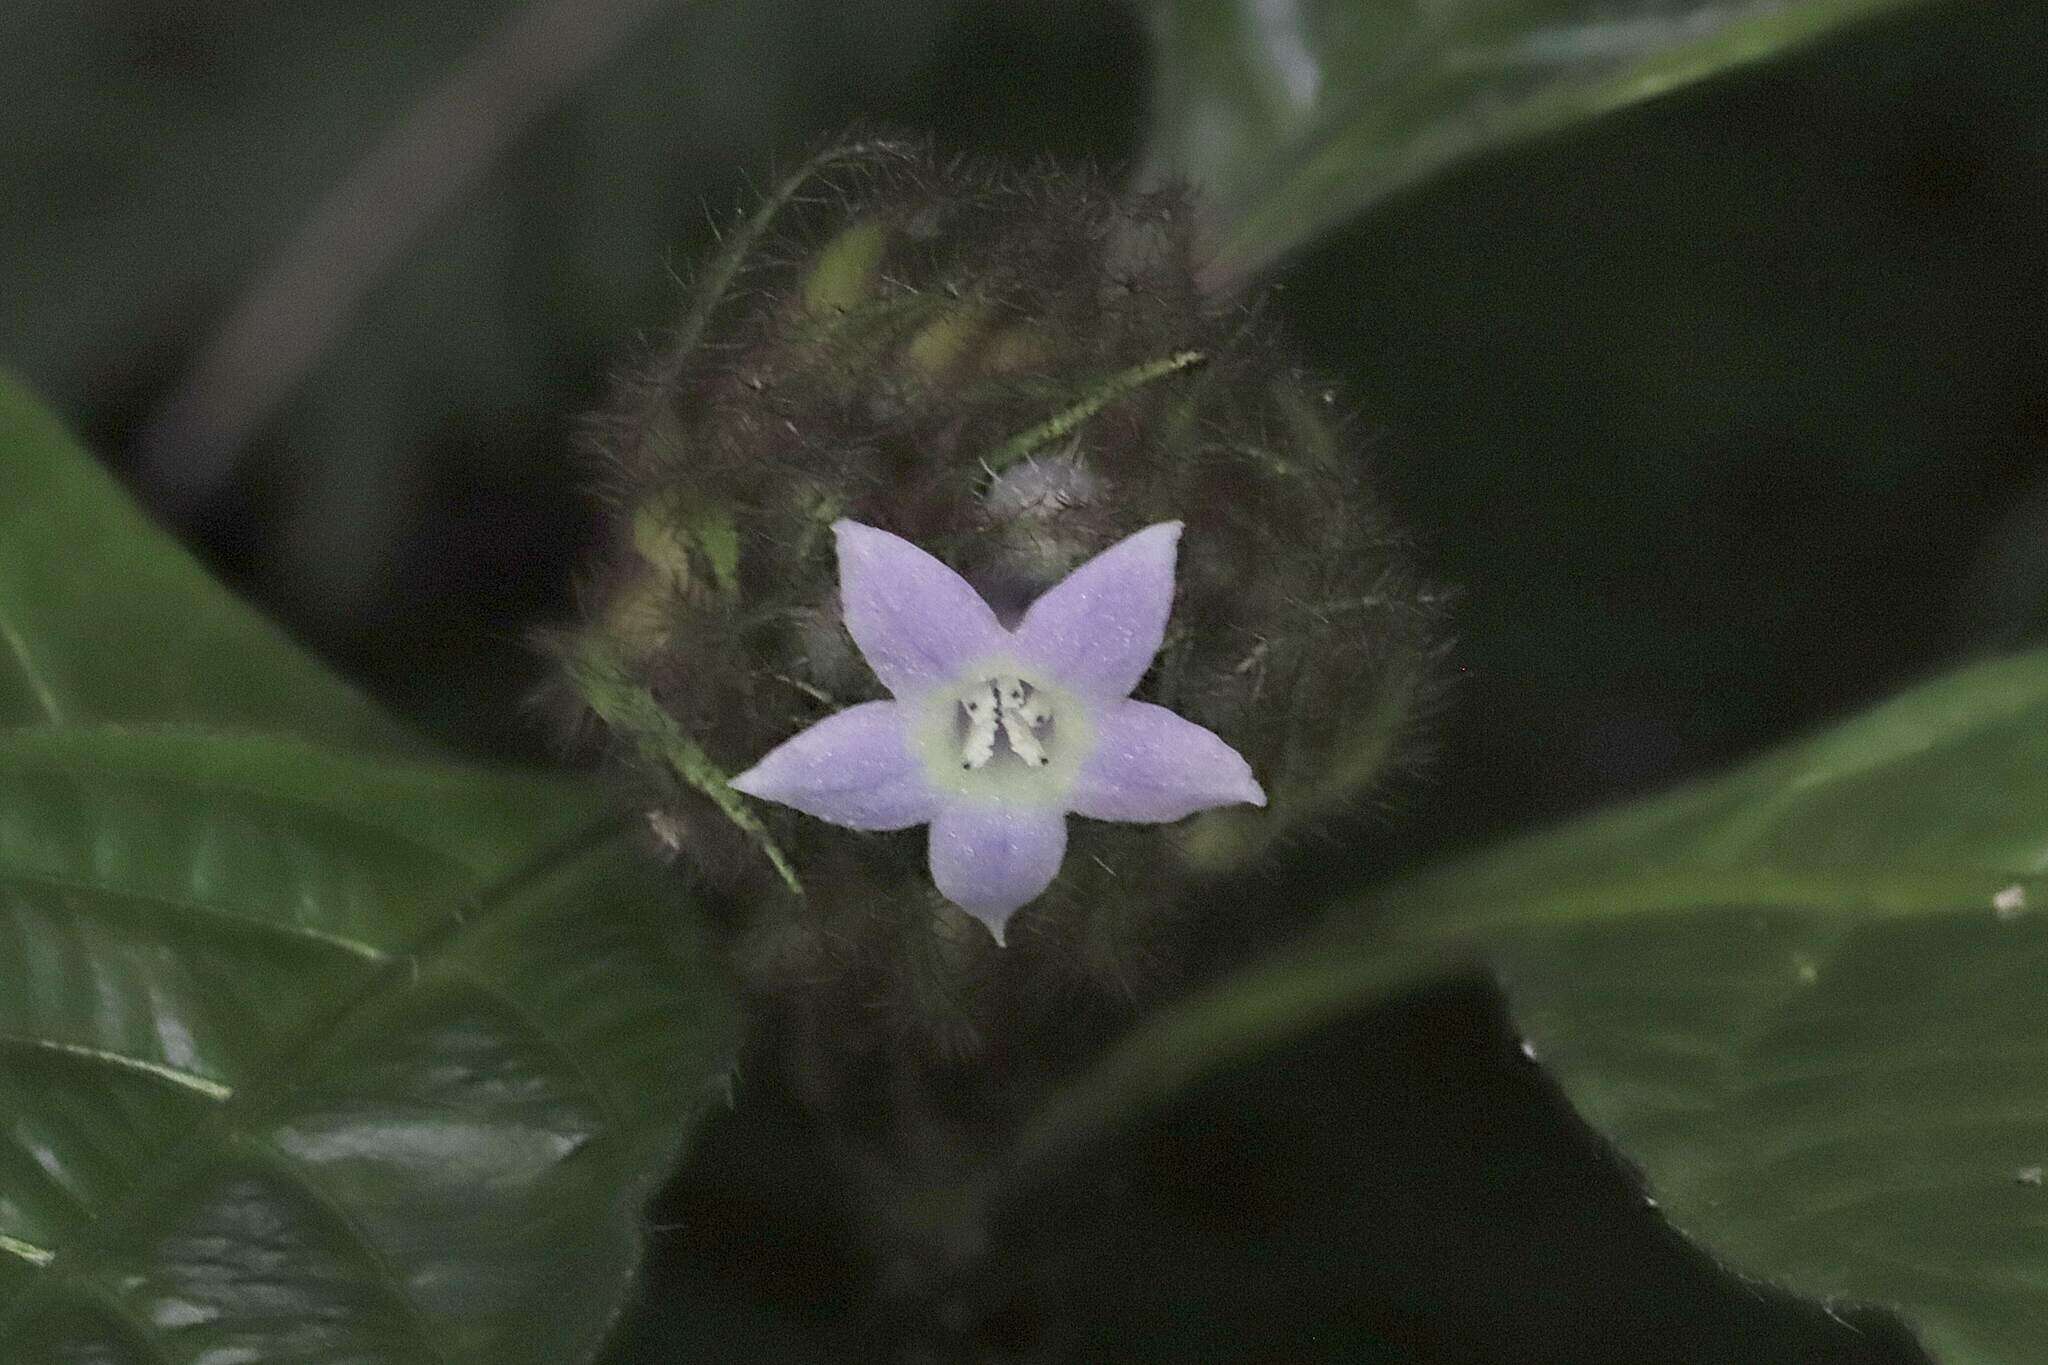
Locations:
1404 1187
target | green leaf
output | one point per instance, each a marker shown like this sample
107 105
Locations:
103 617
310 1048
311 1057
1297 115
1809 999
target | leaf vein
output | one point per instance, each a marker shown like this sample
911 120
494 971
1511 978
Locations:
188 1081
368 952
607 1104
27 1251
263 1095
44 696
295 1173
37 756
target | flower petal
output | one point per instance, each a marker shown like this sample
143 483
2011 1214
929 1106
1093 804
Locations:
916 621
1096 630
853 768
1150 766
989 858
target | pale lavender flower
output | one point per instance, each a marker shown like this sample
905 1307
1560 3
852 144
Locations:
995 736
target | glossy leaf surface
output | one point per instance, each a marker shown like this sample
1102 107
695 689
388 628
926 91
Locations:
1807 999
1297 114
308 1051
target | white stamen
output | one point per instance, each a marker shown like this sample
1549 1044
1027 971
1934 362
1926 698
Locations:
1004 706
982 714
1032 710
1020 715
1022 742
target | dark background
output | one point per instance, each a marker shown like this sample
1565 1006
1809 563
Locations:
1722 418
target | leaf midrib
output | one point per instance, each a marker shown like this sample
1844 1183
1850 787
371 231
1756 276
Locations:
295 1174
188 1081
97 892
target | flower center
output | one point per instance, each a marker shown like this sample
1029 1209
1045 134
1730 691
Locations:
1004 719
998 733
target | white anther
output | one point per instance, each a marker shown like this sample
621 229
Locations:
1032 710
1004 706
1022 742
1020 715
982 716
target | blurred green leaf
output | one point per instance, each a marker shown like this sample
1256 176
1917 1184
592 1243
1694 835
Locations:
1808 999
1297 114
103 617
306 1052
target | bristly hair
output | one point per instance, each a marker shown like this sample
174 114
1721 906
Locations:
1012 368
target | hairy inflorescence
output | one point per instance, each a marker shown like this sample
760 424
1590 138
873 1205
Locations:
1013 369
